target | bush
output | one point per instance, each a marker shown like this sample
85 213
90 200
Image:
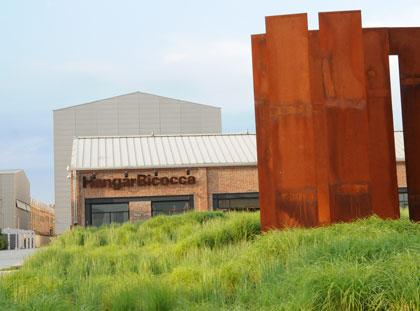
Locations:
214 261
3 241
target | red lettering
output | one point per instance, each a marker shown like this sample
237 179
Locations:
86 181
155 181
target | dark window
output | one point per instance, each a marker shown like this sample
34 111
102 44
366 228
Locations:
101 211
170 207
403 197
236 201
105 214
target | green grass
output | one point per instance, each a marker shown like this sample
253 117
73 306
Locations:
215 261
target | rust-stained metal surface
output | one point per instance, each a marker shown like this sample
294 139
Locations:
405 42
324 119
381 131
341 44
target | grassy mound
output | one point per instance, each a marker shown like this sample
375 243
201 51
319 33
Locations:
213 261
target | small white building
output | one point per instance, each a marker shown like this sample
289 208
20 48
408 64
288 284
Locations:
15 200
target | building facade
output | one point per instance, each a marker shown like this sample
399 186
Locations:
118 179
131 114
15 200
42 218
131 178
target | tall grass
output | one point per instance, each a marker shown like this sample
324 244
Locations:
215 261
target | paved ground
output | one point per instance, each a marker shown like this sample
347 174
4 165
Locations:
14 258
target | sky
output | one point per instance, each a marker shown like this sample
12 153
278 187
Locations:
57 53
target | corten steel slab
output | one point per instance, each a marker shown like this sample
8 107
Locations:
384 186
324 119
320 129
405 42
290 112
264 148
341 44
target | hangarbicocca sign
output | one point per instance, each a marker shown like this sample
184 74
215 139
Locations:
140 181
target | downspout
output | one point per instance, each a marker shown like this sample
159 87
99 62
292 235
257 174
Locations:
75 205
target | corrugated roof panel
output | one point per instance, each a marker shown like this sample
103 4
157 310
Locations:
218 148
107 152
149 151
160 151
94 155
139 152
109 147
132 154
214 149
154 157
79 157
247 147
192 157
176 156
102 152
116 151
183 153
124 152
146 152
169 152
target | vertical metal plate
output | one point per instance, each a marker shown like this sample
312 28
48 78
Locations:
264 129
320 129
341 44
292 136
384 187
406 43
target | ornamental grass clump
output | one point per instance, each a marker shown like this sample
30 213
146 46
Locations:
221 261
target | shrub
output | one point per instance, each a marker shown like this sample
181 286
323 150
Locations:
214 261
3 241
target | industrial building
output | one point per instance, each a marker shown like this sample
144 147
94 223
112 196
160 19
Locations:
132 114
122 178
15 200
131 178
26 223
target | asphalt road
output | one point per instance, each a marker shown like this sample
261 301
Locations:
14 258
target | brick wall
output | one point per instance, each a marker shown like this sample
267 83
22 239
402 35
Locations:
42 218
402 179
140 210
208 181
231 180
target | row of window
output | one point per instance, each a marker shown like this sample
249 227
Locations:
107 211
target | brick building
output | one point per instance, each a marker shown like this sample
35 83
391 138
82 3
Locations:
42 218
129 178
116 179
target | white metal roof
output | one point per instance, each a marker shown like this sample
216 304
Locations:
135 93
399 146
127 152
12 171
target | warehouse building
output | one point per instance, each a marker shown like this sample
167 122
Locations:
131 178
132 114
15 200
26 223
122 178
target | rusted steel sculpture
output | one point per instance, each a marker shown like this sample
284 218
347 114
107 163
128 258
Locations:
324 119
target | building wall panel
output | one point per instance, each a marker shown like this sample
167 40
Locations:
132 114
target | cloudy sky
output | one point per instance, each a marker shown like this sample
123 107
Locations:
56 53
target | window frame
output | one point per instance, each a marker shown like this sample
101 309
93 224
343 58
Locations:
231 196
